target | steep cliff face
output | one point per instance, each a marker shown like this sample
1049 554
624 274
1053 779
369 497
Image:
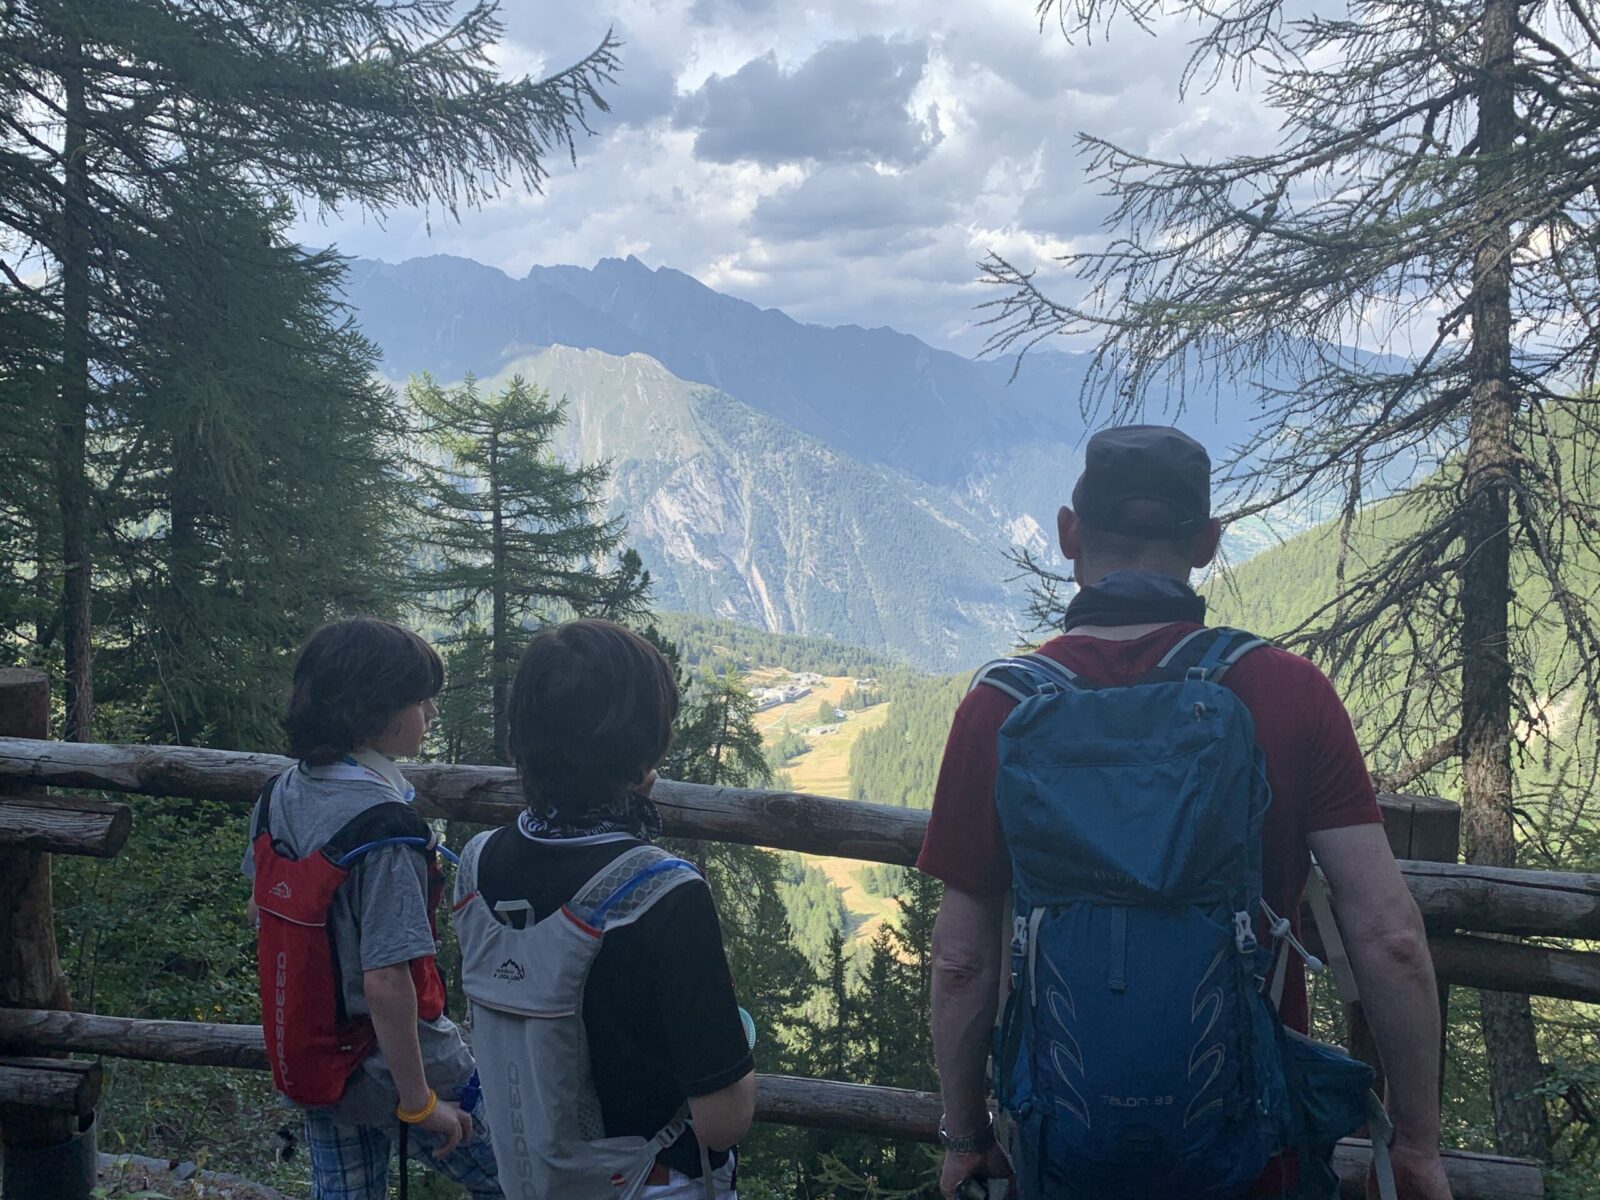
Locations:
739 515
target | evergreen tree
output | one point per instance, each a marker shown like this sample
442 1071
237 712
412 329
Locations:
1433 199
834 1050
717 741
464 729
515 531
117 117
252 485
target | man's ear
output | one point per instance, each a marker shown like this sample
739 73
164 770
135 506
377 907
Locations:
1205 544
1069 532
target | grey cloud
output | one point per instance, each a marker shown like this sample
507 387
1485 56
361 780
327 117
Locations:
847 196
645 88
847 102
712 12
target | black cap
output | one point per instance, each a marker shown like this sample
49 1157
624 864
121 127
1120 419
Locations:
1152 463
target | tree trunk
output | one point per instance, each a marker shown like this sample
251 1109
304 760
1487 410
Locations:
183 578
72 480
1521 1123
499 625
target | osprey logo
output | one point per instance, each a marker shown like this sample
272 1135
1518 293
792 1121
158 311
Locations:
281 890
510 971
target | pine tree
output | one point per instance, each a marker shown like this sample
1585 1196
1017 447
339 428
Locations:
464 729
1433 199
718 742
835 1048
252 485
115 115
520 537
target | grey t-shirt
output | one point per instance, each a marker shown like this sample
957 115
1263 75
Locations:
379 918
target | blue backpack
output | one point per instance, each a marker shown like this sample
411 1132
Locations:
1140 1055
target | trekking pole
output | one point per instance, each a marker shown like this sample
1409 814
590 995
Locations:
405 1161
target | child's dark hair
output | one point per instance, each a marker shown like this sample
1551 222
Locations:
591 714
350 679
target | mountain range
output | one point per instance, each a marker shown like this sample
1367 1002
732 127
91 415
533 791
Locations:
836 481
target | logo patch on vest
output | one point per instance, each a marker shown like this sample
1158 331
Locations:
281 890
510 971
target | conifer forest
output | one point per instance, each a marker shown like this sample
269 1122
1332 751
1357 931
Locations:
222 427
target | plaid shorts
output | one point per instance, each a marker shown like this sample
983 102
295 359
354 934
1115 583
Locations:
351 1162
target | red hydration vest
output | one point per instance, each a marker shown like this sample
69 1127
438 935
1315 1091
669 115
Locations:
313 1045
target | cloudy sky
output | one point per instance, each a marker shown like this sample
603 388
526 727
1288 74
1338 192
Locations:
845 160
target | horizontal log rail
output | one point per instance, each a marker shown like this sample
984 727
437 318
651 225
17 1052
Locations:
58 1085
1496 900
1500 966
59 825
780 1099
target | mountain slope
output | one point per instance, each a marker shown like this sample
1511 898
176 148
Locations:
878 395
737 515
1010 445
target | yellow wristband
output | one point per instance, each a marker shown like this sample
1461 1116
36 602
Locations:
418 1116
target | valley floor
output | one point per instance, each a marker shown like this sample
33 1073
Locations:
824 770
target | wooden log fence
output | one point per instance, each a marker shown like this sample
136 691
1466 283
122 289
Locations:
1471 912
55 1084
1452 896
780 1099
46 1105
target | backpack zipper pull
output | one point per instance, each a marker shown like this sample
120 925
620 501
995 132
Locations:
1019 950
1244 934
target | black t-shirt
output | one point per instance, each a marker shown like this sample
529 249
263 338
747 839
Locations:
658 1005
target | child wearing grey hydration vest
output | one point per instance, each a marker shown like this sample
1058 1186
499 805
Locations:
362 697
614 1060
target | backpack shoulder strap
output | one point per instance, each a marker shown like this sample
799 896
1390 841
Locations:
1027 675
263 821
390 823
1207 654
467 868
626 888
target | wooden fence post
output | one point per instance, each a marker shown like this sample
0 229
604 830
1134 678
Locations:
49 1147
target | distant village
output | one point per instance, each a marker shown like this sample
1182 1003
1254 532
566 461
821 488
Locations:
798 687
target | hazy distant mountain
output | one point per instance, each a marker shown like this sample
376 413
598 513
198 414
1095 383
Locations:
884 436
877 395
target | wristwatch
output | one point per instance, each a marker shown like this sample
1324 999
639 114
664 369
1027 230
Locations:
972 1143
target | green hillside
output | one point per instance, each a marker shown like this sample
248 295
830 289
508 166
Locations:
712 639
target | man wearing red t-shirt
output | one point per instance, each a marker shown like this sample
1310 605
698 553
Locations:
1139 522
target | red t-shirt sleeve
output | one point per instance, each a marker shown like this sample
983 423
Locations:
1334 788
963 845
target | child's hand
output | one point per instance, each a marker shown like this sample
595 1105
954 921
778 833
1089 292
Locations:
449 1122
649 782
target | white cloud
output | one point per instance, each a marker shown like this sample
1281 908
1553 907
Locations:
865 153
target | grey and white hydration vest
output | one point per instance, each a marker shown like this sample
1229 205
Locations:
526 992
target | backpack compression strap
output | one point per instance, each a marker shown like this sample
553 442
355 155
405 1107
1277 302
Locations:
1204 654
1027 675
1207 654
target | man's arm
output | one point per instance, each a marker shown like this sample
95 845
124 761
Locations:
723 1118
967 956
1388 950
